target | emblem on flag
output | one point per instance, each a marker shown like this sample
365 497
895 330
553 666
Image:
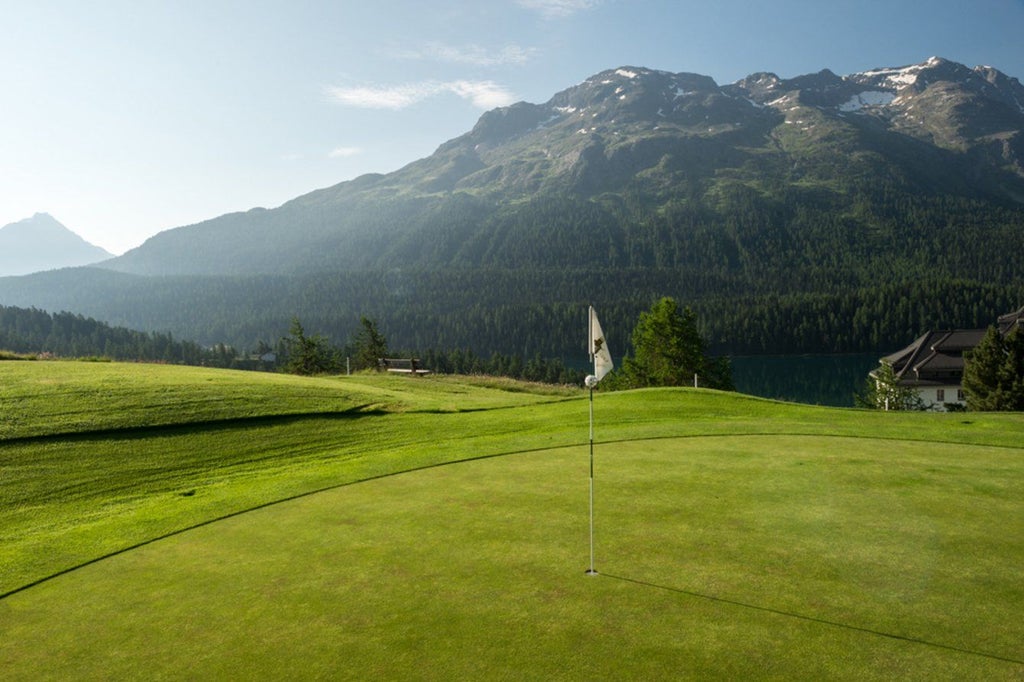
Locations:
599 354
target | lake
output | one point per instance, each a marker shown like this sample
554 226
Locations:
812 379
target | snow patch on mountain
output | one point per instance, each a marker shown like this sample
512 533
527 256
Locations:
898 78
871 98
625 73
788 98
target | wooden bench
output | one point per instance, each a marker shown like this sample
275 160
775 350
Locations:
403 366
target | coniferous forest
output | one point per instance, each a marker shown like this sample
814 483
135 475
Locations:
759 283
68 335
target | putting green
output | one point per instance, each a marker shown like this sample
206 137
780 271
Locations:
728 556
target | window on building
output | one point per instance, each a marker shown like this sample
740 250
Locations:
960 395
940 394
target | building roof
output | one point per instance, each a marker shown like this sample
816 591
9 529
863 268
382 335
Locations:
935 357
1009 321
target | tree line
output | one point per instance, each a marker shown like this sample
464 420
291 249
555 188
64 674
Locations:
669 351
29 332
301 353
64 334
525 313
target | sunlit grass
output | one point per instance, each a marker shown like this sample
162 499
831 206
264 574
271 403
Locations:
736 537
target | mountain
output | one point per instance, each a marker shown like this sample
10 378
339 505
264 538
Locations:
641 136
815 213
42 243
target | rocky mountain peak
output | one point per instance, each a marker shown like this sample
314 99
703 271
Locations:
503 123
631 84
758 85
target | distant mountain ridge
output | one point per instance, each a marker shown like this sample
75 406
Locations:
810 214
933 128
42 243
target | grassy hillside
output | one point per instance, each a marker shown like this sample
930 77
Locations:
736 537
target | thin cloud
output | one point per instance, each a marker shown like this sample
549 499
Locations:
482 94
380 97
554 9
472 54
344 152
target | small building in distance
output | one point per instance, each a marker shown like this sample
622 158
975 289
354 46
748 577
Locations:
934 363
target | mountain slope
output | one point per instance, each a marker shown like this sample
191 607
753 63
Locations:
42 243
654 140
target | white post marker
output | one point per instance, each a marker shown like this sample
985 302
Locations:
602 361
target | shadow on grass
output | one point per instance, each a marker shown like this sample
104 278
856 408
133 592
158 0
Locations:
172 428
812 619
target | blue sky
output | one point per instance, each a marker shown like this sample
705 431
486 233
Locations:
125 118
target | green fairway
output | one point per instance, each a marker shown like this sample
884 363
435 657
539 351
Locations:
735 538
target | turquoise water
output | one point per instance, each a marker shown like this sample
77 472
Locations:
812 379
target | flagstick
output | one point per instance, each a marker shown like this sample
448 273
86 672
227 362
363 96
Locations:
591 570
593 361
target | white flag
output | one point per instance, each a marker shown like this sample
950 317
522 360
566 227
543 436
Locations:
599 349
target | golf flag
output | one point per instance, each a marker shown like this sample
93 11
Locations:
599 349
602 360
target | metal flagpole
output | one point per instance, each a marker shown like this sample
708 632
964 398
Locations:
590 337
591 570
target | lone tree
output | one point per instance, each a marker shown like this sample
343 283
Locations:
370 345
994 372
669 351
309 354
882 391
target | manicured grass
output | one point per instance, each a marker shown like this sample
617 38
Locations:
236 441
47 398
736 538
754 557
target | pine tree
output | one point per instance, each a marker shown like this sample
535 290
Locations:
994 372
309 354
669 351
370 345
